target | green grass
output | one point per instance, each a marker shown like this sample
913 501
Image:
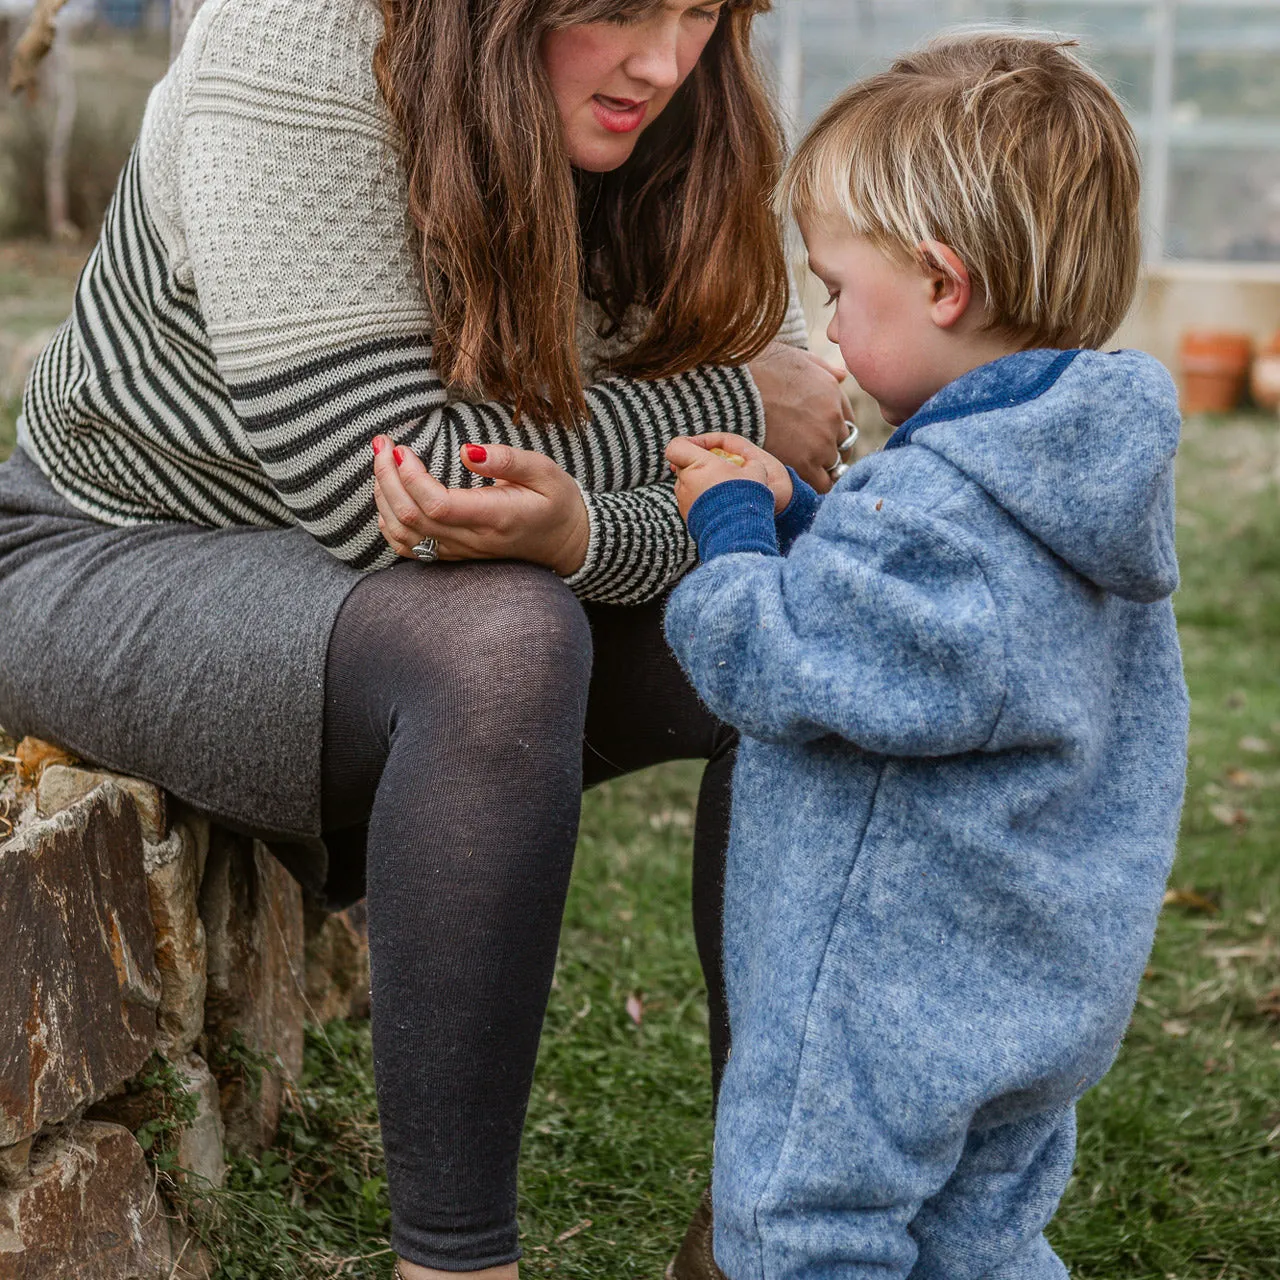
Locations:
1178 1175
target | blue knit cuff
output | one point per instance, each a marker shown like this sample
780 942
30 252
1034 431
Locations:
736 515
796 517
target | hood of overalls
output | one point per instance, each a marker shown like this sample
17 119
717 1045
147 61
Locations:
1078 447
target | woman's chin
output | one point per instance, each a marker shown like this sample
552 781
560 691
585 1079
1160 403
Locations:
600 155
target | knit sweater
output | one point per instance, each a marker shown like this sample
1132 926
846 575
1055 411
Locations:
254 314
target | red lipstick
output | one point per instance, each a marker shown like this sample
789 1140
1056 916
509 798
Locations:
619 115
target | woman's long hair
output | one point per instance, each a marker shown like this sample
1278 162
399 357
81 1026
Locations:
511 235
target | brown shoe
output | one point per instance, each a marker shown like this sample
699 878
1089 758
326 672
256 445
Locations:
695 1261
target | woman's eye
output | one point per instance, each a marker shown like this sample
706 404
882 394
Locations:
708 15
833 296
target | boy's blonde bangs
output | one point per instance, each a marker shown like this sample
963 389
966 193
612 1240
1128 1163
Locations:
1006 148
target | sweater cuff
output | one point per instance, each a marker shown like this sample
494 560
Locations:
796 517
736 515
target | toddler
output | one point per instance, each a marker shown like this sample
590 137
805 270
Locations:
957 681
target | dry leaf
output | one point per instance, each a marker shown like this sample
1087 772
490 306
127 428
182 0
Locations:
34 756
635 1009
1175 1027
573 1231
1269 1004
1192 900
1229 815
1255 746
1243 778
1256 917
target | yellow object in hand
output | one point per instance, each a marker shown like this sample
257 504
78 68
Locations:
736 458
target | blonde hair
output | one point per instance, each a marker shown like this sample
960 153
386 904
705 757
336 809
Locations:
1006 148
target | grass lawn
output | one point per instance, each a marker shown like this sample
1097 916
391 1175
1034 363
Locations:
1178 1175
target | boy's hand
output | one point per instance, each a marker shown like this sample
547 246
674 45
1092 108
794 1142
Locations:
697 468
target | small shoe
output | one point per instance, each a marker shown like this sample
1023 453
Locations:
694 1260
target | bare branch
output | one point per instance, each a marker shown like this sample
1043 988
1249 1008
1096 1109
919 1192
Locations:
33 44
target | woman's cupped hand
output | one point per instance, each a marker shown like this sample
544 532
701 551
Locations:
532 511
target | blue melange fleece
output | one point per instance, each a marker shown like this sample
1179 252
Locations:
964 738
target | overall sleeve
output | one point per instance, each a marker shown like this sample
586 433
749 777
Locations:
879 627
293 209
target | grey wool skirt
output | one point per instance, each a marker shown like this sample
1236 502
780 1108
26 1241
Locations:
192 657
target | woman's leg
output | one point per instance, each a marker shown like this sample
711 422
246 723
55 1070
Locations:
455 699
643 711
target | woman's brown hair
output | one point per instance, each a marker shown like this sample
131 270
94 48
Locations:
512 235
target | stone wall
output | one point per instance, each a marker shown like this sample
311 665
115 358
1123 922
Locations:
157 975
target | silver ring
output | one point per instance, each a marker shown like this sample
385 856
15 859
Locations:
837 469
850 440
427 550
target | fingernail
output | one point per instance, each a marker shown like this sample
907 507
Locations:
398 454
476 453
377 446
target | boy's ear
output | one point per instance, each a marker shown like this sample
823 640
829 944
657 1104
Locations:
948 277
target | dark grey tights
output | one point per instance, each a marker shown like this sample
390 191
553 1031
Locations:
456 698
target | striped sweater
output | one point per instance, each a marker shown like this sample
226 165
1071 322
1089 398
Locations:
254 313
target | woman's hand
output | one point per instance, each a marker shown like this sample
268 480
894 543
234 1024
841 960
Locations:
698 469
533 511
805 413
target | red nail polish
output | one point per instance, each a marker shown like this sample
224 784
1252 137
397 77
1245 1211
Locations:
476 453
377 446
398 454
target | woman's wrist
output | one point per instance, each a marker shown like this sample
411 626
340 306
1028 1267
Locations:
573 554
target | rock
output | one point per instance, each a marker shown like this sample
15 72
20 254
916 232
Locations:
79 985
173 882
201 1161
60 786
87 1209
178 1104
338 965
255 1000
14 1161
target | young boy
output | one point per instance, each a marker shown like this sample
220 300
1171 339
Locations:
957 680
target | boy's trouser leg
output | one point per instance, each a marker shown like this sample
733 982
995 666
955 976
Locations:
1005 1189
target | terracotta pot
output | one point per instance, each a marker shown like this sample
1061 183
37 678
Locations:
1214 366
1264 377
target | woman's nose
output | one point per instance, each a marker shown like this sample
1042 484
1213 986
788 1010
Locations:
656 61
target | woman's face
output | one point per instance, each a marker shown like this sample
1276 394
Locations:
611 80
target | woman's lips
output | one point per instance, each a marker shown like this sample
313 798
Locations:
618 115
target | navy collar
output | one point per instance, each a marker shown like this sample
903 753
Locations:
1001 384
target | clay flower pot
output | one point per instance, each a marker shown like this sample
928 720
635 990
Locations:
1214 366
1264 377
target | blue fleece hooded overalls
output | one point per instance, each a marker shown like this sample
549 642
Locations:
964 728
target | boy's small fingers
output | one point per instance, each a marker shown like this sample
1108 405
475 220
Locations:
682 452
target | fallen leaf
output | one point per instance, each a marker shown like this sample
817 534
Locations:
1192 900
1229 815
34 756
1174 1027
1269 1004
1256 917
1243 778
635 1008
1255 746
573 1231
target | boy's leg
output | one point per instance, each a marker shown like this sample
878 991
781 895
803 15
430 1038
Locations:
1003 1192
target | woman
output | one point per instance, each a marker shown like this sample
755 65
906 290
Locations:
338 229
